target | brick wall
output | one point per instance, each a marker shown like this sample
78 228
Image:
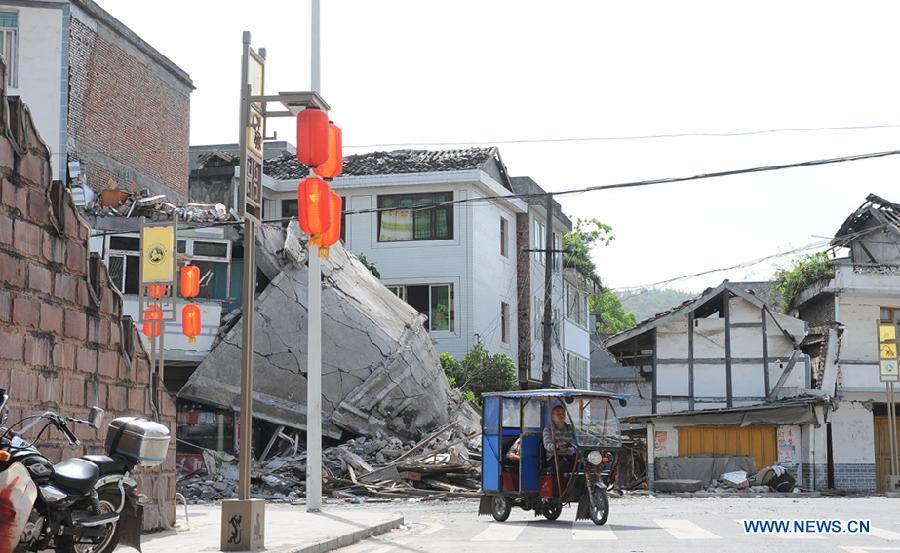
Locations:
523 279
61 337
128 116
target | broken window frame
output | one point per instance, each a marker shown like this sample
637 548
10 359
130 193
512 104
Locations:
417 216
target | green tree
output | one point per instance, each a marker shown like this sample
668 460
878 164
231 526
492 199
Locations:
585 236
480 372
612 316
370 265
804 272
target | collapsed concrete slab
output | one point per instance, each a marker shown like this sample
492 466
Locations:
379 367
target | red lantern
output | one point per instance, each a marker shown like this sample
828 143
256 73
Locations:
333 165
312 137
156 291
313 206
333 234
151 317
190 281
190 321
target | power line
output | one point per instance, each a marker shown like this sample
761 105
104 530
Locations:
700 134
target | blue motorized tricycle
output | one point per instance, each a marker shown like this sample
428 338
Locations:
543 449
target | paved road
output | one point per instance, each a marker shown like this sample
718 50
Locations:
639 524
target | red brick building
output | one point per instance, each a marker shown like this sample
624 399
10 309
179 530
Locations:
64 344
101 96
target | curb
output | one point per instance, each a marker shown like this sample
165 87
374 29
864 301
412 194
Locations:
344 540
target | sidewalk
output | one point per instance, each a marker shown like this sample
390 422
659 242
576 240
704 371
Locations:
289 529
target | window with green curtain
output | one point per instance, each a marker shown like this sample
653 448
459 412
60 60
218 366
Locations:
441 307
412 219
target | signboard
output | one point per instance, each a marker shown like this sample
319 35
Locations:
887 353
253 136
157 254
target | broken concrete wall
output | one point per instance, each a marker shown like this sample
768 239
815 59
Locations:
379 368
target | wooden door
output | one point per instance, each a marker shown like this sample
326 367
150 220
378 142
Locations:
883 451
756 441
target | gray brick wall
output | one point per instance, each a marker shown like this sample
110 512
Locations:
854 477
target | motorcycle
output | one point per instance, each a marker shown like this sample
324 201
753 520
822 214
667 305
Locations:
86 505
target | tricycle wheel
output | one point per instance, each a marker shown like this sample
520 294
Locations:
600 506
500 508
552 510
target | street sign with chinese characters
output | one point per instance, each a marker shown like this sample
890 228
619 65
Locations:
887 353
253 135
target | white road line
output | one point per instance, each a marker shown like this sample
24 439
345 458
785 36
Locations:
884 534
685 530
498 531
866 548
588 531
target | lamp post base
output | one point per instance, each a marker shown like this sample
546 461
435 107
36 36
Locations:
243 525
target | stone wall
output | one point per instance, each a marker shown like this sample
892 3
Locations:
64 344
129 107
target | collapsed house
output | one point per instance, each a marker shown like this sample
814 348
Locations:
729 386
380 371
845 311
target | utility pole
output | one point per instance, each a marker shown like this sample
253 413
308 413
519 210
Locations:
314 328
547 365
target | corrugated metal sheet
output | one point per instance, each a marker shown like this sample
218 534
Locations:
757 441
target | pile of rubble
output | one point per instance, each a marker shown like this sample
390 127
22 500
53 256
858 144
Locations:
140 203
444 464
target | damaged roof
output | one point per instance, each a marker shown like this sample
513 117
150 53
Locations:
705 299
286 166
885 213
790 410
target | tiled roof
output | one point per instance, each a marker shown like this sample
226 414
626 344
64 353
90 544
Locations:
286 166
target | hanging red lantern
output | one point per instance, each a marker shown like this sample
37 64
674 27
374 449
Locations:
190 281
313 206
152 315
312 137
333 165
190 321
333 234
156 291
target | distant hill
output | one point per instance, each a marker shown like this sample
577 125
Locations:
648 302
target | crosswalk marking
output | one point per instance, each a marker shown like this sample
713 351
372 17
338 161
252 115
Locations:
588 531
884 534
498 531
685 530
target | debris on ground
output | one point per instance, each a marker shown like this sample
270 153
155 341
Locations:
736 479
444 464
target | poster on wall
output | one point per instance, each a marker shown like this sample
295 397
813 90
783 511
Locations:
659 442
788 437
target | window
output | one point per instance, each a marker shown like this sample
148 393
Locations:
288 209
504 322
9 46
577 375
576 306
212 257
537 241
504 237
435 301
409 222
399 291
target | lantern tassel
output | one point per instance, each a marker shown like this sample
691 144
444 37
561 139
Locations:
324 253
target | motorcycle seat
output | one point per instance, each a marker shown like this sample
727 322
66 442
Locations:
107 465
76 475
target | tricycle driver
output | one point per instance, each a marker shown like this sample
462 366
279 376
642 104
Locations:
559 438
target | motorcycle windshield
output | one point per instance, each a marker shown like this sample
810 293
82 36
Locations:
594 422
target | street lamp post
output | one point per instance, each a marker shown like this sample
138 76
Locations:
243 519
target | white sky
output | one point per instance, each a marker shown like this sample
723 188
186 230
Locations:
426 71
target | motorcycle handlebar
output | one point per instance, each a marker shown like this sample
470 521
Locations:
64 428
